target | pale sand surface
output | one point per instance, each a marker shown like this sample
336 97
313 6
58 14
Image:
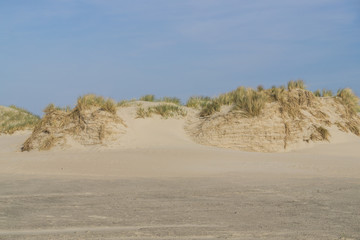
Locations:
157 184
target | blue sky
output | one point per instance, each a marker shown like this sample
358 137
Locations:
52 51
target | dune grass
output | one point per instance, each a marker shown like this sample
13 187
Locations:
349 100
91 100
173 100
16 119
167 110
210 108
148 98
321 134
353 127
197 102
123 103
164 110
251 102
142 113
296 84
323 93
276 93
51 107
291 98
152 98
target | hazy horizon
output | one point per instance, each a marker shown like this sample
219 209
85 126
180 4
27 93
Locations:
55 51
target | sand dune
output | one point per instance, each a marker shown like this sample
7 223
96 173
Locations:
153 179
161 147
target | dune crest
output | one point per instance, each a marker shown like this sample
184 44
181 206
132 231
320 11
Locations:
262 120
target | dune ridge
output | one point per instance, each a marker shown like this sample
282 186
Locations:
278 119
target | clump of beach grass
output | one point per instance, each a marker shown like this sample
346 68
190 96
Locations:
198 102
173 100
123 103
260 88
210 108
142 113
51 107
152 98
323 93
296 84
250 101
349 100
16 119
353 127
165 110
321 134
168 110
148 98
276 93
91 100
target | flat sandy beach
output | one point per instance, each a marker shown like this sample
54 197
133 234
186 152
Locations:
162 185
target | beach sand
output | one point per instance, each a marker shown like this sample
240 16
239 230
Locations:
156 183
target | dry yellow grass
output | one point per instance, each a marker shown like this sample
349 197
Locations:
349 100
14 119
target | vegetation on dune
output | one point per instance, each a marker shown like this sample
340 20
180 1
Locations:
51 107
320 134
91 100
293 102
251 102
323 93
16 119
167 110
164 110
125 102
198 102
173 100
147 98
300 84
152 98
276 93
86 122
349 100
210 108
353 127
142 113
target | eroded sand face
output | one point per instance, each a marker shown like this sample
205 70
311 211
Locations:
161 185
